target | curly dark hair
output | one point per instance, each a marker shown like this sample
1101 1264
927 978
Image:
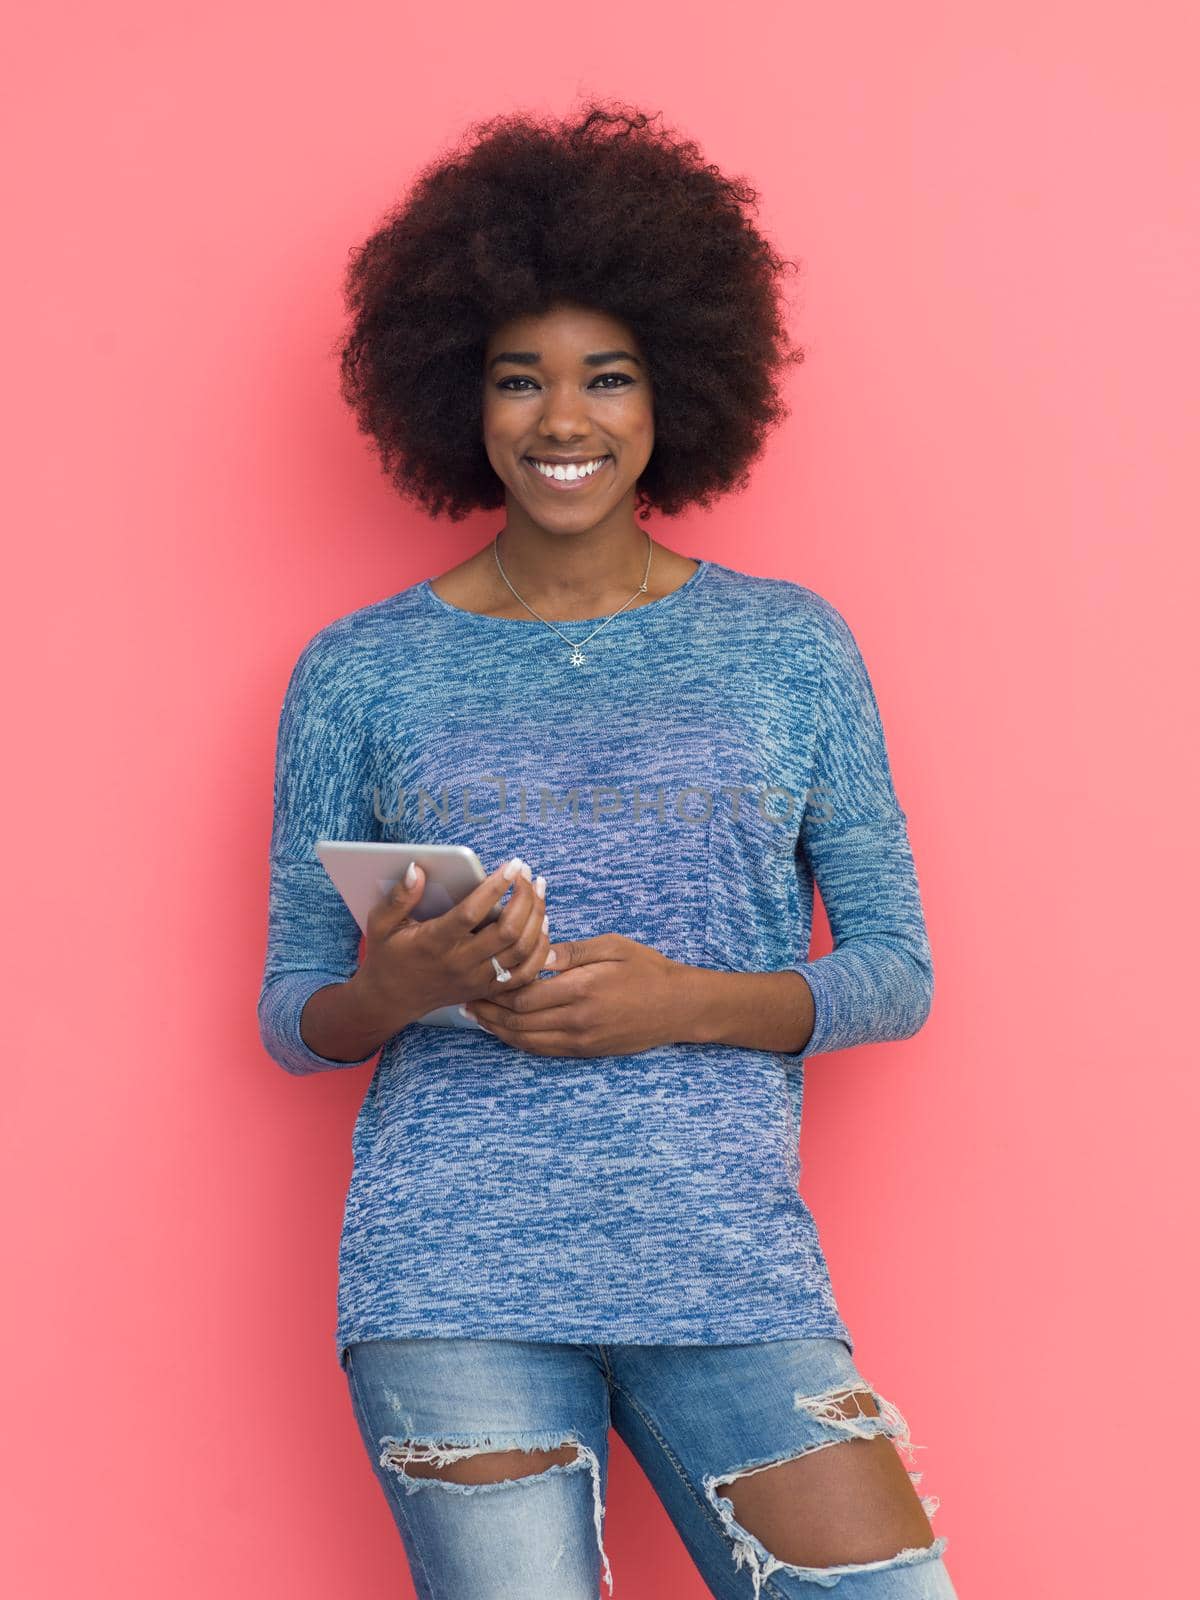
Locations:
608 212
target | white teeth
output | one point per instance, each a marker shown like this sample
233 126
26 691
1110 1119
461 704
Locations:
572 470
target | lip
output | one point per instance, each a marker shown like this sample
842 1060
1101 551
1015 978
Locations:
564 485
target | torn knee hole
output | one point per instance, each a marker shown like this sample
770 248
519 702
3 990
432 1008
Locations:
842 1408
858 1414
826 1511
483 1467
473 1463
838 1405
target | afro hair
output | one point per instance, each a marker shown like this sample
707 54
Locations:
606 211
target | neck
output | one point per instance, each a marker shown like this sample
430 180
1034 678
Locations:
581 571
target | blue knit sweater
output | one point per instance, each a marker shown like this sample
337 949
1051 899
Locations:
718 751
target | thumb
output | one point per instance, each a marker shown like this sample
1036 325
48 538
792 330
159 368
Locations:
406 893
569 953
566 953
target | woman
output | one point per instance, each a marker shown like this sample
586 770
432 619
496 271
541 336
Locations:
581 1210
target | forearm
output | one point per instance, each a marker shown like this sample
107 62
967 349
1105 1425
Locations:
347 1021
751 1010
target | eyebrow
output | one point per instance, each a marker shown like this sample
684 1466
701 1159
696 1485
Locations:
530 358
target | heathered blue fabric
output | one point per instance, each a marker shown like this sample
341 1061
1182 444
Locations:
720 749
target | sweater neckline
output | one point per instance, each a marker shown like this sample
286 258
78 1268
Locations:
688 586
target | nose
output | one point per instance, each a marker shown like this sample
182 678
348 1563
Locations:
564 412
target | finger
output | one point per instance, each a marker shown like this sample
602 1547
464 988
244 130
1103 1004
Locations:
538 1042
521 971
398 904
509 938
582 952
472 908
539 994
528 911
568 953
525 976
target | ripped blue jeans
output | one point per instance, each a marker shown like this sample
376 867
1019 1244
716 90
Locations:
694 1417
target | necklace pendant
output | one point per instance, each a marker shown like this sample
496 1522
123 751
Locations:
576 656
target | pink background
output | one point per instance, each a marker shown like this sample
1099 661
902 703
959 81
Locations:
990 468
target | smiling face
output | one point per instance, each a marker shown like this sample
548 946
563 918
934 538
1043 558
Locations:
568 418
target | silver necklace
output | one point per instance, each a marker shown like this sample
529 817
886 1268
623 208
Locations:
577 656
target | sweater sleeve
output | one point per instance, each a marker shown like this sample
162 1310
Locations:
877 982
322 791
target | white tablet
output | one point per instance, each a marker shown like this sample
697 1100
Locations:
366 872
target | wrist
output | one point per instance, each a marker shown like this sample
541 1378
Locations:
690 1017
748 1010
378 1013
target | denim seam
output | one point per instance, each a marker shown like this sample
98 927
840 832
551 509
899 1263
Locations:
394 1497
767 1587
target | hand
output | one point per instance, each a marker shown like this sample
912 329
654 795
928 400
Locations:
608 996
410 967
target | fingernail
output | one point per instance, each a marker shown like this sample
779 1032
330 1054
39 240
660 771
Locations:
546 923
526 871
539 883
512 868
551 960
465 1011
410 877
